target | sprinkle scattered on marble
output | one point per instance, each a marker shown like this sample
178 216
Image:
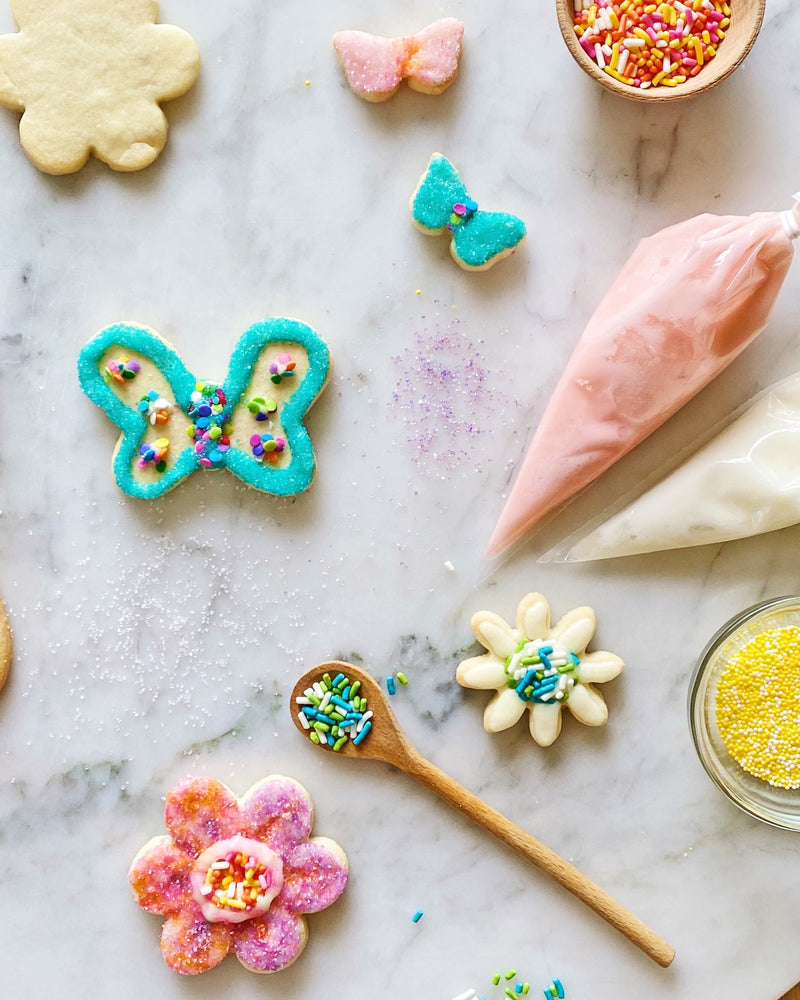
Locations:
554 990
417 916
442 389
333 712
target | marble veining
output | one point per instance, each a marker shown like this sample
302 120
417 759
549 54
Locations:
159 640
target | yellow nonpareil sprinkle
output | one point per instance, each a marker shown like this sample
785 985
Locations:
758 706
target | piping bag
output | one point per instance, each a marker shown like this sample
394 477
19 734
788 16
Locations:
686 304
744 481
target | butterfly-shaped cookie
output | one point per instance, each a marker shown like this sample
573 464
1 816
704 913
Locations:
479 239
375 66
172 423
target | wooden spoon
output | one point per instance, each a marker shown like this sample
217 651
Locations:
387 742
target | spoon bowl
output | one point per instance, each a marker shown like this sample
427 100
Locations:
746 19
387 742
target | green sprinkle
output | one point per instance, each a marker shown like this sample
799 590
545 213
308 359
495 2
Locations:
511 973
356 685
402 678
510 993
314 737
495 979
322 727
340 743
328 681
526 988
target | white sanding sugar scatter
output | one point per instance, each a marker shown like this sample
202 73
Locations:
443 390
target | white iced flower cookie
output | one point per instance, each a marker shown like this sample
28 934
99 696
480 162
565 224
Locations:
534 666
89 76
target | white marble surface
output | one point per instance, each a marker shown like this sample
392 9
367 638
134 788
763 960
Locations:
158 640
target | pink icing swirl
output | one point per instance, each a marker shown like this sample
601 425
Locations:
274 820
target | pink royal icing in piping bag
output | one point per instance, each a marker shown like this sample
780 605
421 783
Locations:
686 304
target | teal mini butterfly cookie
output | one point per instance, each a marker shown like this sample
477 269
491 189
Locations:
479 239
172 423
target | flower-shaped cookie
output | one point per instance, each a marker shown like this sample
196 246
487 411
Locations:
88 76
532 665
236 874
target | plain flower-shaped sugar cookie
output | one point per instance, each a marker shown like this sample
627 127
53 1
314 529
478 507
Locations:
88 76
534 666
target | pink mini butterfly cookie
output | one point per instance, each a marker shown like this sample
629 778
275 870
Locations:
375 66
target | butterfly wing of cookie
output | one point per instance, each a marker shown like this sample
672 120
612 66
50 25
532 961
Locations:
277 370
485 238
438 190
144 388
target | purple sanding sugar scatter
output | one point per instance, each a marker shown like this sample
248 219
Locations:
443 395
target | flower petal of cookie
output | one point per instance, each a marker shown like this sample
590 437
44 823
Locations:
503 711
482 672
191 945
159 877
494 633
50 144
314 875
271 942
278 812
133 137
545 723
174 62
575 630
10 52
200 811
600 666
588 705
533 616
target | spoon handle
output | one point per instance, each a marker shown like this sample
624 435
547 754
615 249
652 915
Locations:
535 851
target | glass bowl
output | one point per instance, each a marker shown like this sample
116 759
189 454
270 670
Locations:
777 806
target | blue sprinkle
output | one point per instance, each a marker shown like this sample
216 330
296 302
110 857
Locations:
337 680
417 916
390 685
559 988
363 733
518 988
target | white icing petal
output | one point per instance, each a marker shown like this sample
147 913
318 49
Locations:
575 630
600 666
588 706
533 616
545 723
503 711
493 633
482 672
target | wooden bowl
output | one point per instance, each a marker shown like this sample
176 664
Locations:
746 18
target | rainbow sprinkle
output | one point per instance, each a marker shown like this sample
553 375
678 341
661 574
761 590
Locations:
237 882
647 45
333 712
154 452
154 408
211 425
282 368
262 409
265 447
122 369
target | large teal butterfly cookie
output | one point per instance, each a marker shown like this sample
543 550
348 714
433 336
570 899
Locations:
173 423
479 239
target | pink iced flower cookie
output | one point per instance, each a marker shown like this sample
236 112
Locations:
375 66
236 874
